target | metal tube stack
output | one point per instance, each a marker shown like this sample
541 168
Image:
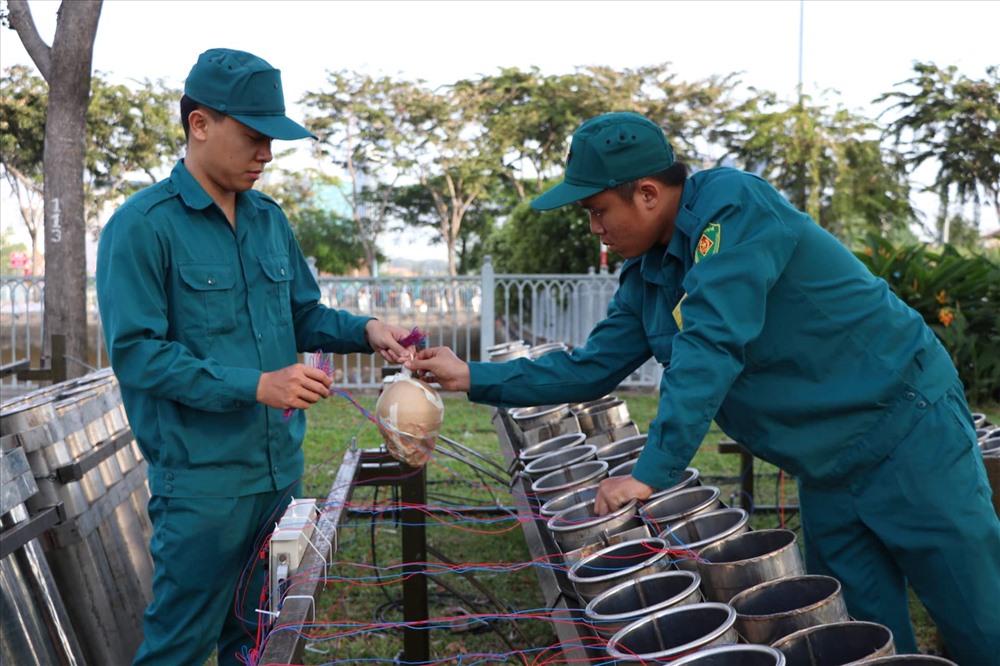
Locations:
680 576
88 516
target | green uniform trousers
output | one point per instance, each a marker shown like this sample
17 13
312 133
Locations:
207 576
899 524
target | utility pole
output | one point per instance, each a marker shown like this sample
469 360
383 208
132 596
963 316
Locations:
800 196
802 20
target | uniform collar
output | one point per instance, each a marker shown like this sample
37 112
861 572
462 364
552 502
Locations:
687 221
656 262
195 196
657 259
189 189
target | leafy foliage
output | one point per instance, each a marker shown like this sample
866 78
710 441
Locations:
132 133
958 296
556 241
414 206
312 203
459 158
360 124
23 100
529 117
954 121
329 238
825 162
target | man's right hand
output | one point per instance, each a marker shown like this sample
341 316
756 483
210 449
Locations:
439 364
294 387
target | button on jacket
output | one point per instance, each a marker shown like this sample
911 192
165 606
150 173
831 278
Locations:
762 321
193 312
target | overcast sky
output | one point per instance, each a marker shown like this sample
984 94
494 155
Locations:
852 51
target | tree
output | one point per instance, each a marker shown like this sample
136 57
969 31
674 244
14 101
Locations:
825 162
131 134
23 99
66 67
414 206
869 194
483 219
557 241
529 118
332 240
449 155
359 122
323 234
683 110
954 121
22 128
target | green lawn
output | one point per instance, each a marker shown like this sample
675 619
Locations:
359 607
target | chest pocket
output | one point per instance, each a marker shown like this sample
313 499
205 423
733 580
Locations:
279 276
208 305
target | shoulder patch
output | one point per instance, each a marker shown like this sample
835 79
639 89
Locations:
708 244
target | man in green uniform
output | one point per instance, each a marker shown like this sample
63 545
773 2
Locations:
767 324
206 300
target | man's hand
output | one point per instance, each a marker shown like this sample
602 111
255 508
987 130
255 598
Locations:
439 364
384 338
616 491
294 387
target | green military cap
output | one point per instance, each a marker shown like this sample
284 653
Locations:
606 151
245 88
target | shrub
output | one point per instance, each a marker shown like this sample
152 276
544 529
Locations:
958 296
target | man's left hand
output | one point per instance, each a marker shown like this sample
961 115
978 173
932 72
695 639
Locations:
384 338
616 491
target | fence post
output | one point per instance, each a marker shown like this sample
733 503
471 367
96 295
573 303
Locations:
587 322
57 364
487 314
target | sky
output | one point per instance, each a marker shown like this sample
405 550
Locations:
852 50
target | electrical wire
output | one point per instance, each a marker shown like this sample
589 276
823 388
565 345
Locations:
455 610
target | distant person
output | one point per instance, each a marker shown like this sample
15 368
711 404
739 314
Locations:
767 324
206 300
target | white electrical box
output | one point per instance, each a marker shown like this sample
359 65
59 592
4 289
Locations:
291 538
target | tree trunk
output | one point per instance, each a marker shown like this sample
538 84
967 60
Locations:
943 229
66 67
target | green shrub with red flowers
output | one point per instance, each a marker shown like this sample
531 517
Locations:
958 295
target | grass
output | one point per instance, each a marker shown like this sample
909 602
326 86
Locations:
359 607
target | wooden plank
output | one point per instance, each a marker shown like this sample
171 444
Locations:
284 644
14 368
416 634
21 533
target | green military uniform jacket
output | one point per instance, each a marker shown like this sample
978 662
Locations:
762 321
193 312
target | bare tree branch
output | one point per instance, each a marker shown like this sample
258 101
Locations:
22 22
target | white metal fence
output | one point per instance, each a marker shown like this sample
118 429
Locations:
467 313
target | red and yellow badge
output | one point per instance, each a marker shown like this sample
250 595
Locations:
708 244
